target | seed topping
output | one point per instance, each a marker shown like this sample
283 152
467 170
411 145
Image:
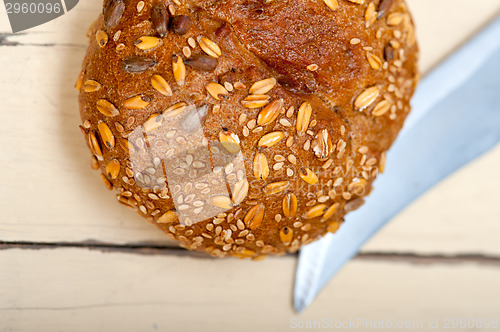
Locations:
270 113
137 102
240 191
271 139
290 205
303 118
286 235
332 4
262 87
161 85
202 62
180 24
230 141
316 211
101 37
91 86
260 166
106 108
276 187
254 216
209 47
147 42
216 90
255 101
112 12
137 64
113 169
308 176
160 18
107 136
179 70
366 98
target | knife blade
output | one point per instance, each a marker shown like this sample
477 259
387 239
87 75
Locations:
456 118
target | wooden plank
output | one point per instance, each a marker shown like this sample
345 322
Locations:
44 149
99 291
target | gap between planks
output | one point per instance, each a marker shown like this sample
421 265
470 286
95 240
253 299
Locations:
145 249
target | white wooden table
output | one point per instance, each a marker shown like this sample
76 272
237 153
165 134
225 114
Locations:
72 259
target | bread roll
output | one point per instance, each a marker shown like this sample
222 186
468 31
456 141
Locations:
246 127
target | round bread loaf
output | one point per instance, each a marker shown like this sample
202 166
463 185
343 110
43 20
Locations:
246 127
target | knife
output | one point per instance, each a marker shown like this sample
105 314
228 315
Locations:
455 119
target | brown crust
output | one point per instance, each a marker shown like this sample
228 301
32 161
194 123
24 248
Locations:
321 59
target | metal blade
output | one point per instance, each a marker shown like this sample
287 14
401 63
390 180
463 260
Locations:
456 119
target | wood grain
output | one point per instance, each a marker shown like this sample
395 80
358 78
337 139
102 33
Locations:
127 292
46 164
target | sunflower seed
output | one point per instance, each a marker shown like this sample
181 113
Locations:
289 205
147 42
180 24
161 85
202 62
271 139
91 86
175 109
106 108
168 217
107 136
262 87
332 4
384 7
209 47
389 53
112 12
240 191
179 70
366 98
101 37
113 169
324 145
137 64
95 147
381 108
216 90
260 166
254 216
160 18
137 102
308 176
374 61
303 118
230 141
255 101
315 211
270 113
276 187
